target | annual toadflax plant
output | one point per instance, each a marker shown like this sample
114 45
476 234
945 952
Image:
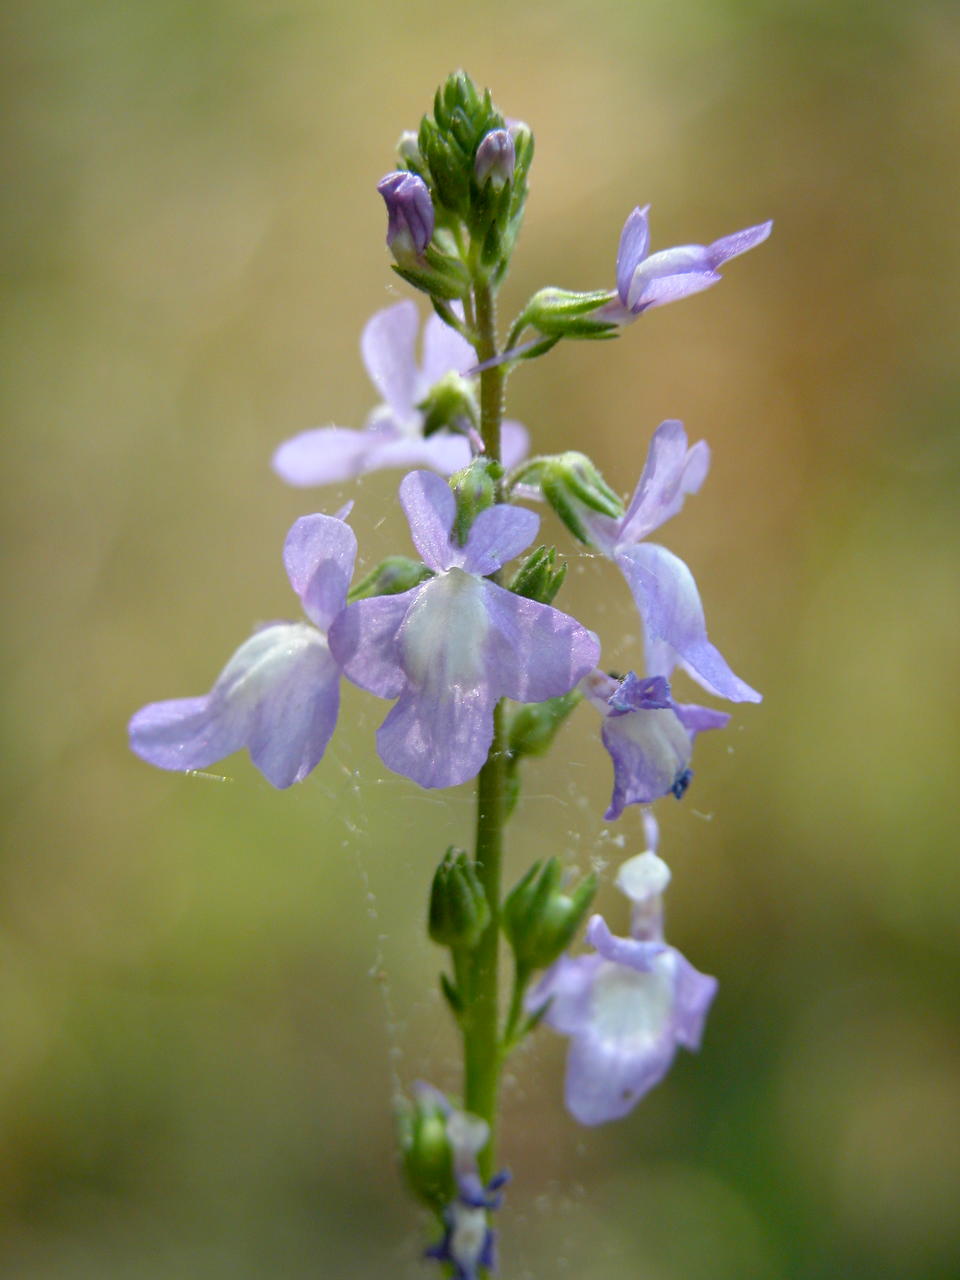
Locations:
462 637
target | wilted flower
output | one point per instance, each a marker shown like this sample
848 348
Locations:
393 433
280 692
670 274
662 586
649 736
451 647
627 1007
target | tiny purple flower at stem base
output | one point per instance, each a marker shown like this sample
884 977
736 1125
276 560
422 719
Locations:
451 647
627 1007
280 692
393 433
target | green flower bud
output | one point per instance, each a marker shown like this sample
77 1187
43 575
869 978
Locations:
540 919
450 404
540 577
560 313
475 489
459 912
425 1149
390 577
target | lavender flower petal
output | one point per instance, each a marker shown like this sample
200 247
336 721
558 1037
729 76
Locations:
694 995
444 351
651 753
387 345
656 290
607 1075
440 731
326 455
514 442
536 651
669 603
634 243
431 509
278 695
497 535
672 470
364 641
318 554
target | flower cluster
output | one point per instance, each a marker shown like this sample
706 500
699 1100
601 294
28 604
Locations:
480 665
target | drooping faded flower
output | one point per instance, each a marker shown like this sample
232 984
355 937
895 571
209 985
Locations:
393 435
670 274
649 736
279 694
451 647
661 584
627 1007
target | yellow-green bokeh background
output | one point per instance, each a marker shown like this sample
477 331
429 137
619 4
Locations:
208 990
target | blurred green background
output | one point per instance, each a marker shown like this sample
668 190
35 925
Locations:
209 990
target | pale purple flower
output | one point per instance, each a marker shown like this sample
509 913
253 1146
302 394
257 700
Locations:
451 647
393 433
662 586
410 215
280 692
627 1007
649 736
670 274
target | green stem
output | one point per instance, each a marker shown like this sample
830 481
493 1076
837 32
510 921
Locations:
481 1034
491 380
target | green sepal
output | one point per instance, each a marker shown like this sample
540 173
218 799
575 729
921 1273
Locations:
563 313
571 482
389 578
540 577
450 405
540 919
451 994
534 725
459 912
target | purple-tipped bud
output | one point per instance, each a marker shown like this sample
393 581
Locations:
409 215
496 159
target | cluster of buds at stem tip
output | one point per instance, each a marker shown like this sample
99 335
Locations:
540 918
456 200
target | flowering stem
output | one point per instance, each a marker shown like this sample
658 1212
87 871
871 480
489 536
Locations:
491 380
481 1024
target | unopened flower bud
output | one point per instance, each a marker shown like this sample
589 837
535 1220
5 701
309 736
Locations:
459 911
426 1148
495 159
540 577
475 489
409 216
540 919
